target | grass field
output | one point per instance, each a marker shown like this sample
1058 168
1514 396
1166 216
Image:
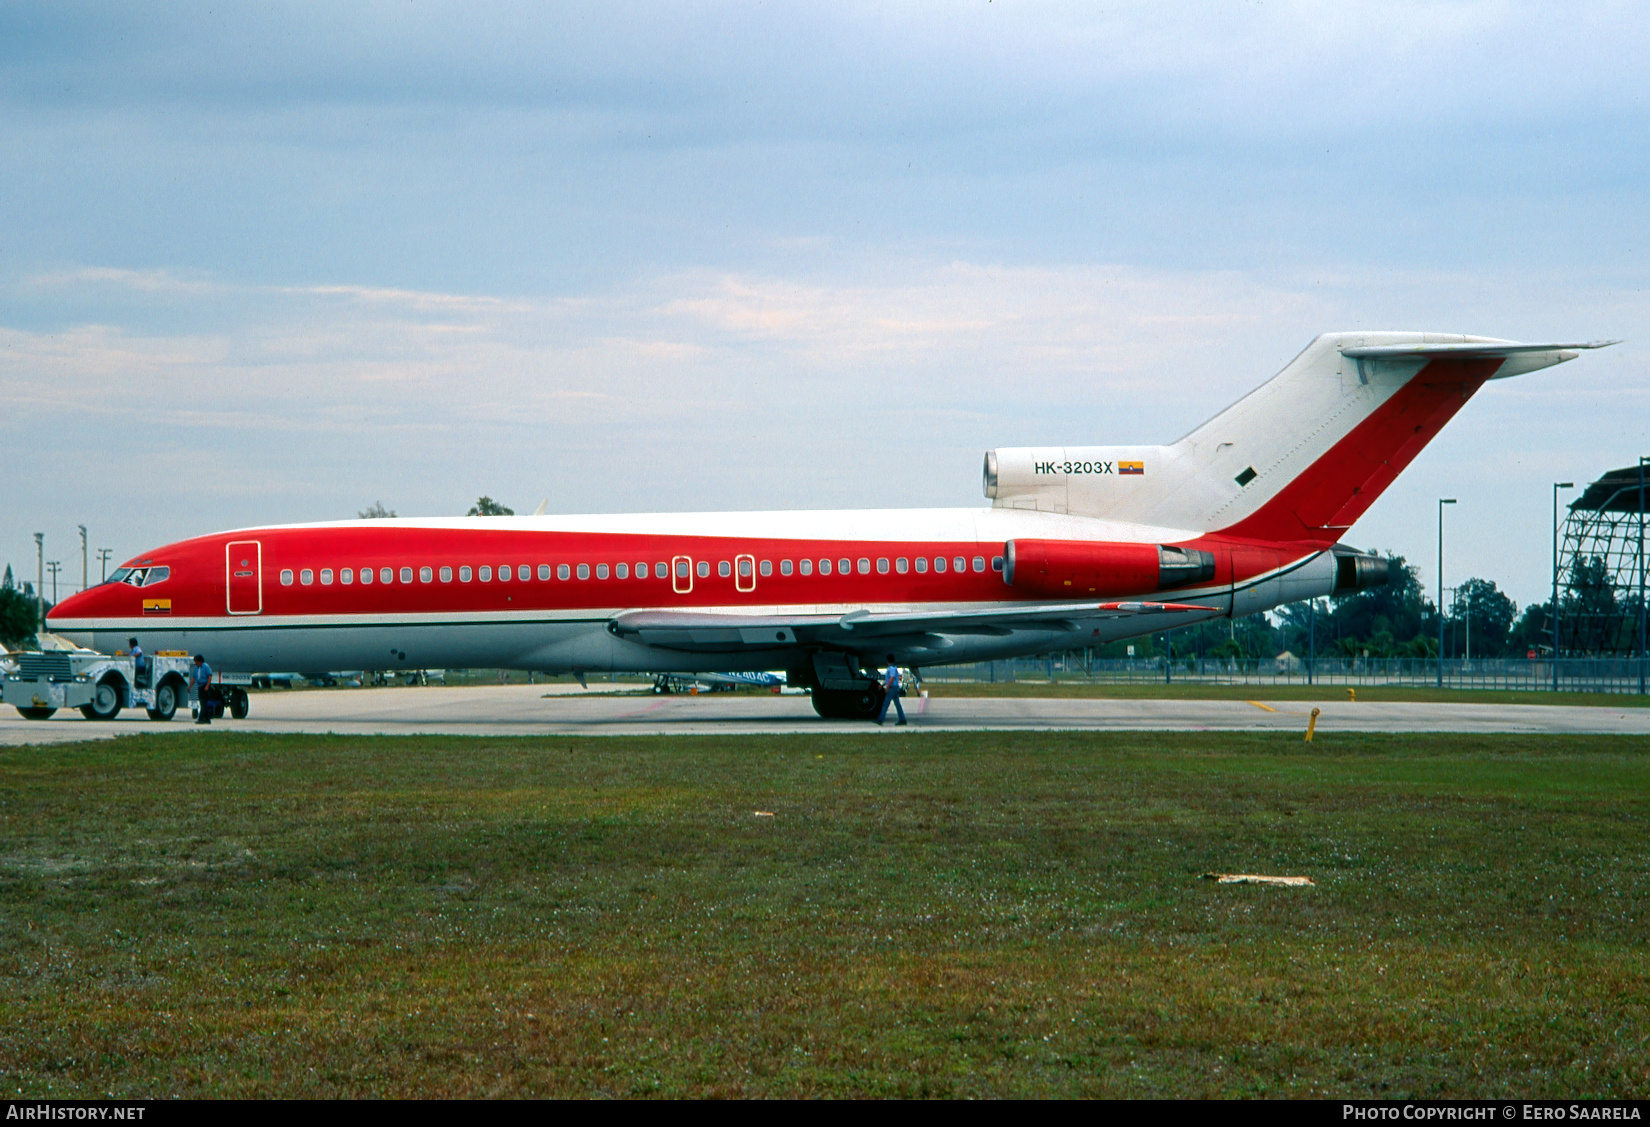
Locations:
1157 690
944 914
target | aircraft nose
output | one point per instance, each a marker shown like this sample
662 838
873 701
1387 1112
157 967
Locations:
65 606
78 605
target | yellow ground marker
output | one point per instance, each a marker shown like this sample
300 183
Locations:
1311 725
1261 705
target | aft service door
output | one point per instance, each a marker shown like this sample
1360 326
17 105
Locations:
245 564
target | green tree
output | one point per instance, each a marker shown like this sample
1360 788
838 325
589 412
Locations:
1389 621
1532 631
1422 645
375 511
1490 614
1398 609
1250 636
17 620
487 507
1589 618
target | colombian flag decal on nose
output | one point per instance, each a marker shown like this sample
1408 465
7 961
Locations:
1131 467
157 606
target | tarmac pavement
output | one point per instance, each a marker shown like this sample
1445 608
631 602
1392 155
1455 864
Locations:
543 710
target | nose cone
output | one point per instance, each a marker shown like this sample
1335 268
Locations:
75 606
80 616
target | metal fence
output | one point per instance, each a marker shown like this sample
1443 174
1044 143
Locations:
1573 675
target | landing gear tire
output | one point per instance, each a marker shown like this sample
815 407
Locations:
849 704
36 713
105 702
166 703
239 704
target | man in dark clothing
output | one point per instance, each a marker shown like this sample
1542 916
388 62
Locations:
204 693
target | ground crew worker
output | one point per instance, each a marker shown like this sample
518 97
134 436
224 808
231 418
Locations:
140 664
203 686
891 684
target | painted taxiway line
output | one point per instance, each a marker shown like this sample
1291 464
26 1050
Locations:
526 710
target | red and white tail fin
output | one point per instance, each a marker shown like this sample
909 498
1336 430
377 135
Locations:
1299 458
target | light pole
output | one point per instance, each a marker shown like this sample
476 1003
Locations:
1467 651
103 555
85 560
1311 639
1641 574
1442 501
40 580
54 566
1557 485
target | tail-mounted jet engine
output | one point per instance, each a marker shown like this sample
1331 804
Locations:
1077 567
1359 573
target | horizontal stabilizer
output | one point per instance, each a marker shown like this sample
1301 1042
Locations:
1472 351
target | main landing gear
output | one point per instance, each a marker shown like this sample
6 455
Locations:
849 704
842 687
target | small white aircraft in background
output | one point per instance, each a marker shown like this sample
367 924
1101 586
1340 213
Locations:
772 680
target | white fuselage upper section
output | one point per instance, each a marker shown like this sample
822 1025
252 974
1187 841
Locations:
893 525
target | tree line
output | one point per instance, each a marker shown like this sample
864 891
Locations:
1397 620
17 612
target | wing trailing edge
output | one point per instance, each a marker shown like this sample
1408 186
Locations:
706 632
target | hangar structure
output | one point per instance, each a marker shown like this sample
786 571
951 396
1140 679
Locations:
1601 566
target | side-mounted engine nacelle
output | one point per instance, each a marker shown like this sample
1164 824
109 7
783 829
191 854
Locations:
1359 573
1083 568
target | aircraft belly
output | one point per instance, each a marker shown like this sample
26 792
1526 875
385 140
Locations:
263 644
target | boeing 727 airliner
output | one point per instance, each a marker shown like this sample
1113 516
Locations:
1080 545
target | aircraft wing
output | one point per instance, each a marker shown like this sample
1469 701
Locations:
1478 351
705 632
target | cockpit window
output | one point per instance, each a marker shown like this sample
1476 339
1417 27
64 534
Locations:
141 576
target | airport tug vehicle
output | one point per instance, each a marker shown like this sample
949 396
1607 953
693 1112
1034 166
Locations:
100 686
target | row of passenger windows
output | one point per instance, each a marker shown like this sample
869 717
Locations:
747 566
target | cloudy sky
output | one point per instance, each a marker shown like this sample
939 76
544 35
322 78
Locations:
274 263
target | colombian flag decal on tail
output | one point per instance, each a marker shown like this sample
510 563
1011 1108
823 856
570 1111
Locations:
157 606
1131 467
